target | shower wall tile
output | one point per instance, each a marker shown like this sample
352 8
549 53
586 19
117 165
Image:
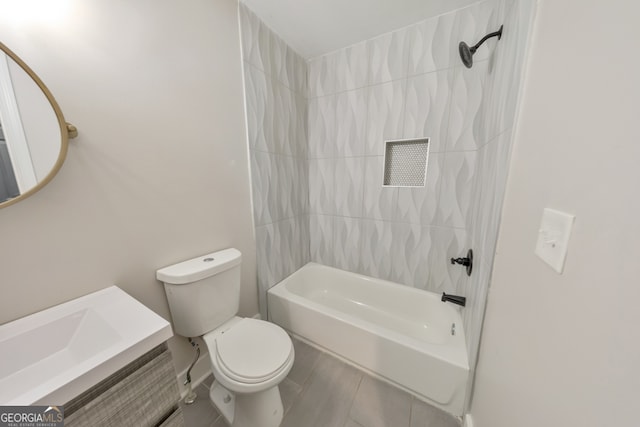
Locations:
349 188
351 109
285 192
352 66
301 185
503 84
473 313
268 267
321 248
411 249
419 205
322 126
465 112
443 276
432 45
298 145
250 32
322 186
378 202
385 115
261 182
458 176
347 243
322 75
427 108
257 101
377 240
283 104
389 57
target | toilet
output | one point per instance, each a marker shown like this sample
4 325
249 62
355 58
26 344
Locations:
249 357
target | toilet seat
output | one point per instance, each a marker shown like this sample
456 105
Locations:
253 351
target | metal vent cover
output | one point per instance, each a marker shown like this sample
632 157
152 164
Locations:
405 162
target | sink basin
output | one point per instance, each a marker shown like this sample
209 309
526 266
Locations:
51 356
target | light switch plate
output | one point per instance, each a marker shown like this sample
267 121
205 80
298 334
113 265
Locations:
553 238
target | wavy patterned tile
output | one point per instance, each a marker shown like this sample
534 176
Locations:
256 94
473 313
427 108
450 243
411 249
266 262
322 186
351 118
458 175
250 27
322 127
466 108
321 248
322 75
385 115
432 46
261 190
389 57
376 247
349 187
352 67
347 238
505 75
301 186
284 192
378 202
283 104
419 205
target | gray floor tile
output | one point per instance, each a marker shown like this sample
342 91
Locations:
208 381
351 423
327 396
305 359
288 392
378 404
424 415
200 413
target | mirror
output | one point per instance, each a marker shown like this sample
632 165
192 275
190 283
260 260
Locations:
33 134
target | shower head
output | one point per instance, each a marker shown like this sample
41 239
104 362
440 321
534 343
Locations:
466 52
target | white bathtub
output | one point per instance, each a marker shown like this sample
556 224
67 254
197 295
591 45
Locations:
402 334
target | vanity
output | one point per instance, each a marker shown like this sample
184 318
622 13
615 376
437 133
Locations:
102 356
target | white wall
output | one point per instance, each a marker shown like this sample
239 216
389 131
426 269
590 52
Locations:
563 350
159 172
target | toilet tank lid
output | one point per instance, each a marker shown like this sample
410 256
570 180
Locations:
199 268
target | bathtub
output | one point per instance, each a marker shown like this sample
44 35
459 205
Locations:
406 336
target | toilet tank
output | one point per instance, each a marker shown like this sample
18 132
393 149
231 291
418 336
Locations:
203 292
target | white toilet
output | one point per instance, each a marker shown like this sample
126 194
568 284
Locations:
249 357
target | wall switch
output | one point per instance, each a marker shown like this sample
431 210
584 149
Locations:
553 238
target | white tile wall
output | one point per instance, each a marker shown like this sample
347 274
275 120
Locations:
317 132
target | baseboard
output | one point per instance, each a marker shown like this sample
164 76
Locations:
468 421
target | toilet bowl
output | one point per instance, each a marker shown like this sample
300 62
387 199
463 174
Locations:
249 357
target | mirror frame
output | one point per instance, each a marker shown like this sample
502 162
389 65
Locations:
66 130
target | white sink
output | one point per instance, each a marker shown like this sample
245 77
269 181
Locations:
51 356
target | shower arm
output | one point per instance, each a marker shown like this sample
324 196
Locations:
485 38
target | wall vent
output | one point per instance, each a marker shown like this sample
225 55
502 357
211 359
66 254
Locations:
405 162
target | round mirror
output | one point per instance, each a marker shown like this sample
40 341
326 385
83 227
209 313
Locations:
33 134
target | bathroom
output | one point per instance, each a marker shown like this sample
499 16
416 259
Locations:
160 173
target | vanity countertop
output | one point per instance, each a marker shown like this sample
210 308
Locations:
51 356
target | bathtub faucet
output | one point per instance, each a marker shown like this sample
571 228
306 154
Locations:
454 299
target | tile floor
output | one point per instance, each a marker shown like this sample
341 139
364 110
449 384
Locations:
322 391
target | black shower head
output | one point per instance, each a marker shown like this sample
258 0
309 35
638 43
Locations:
466 52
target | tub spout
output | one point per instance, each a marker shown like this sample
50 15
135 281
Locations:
454 299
